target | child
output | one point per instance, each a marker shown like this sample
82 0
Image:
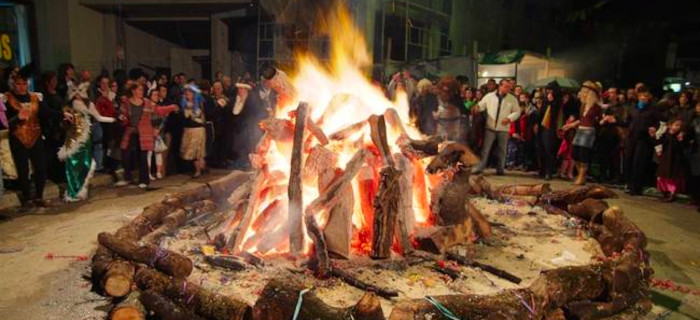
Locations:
516 144
160 147
670 175
566 171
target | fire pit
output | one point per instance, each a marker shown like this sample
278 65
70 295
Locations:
350 213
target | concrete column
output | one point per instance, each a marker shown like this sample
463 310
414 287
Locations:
220 55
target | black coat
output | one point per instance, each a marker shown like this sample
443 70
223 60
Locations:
422 108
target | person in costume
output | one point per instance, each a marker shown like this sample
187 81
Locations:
77 151
24 109
194 137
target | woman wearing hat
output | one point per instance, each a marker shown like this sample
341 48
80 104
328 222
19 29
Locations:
77 151
591 113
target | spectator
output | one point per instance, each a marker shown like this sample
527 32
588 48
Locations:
194 138
449 110
66 77
229 89
157 155
640 142
591 113
139 138
422 107
694 153
670 174
222 120
106 107
24 109
533 114
501 109
609 137
518 135
551 118
52 130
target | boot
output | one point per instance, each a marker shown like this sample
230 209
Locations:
581 179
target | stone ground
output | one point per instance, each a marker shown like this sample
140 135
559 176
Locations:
34 287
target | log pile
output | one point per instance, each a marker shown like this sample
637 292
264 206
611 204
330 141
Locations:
149 280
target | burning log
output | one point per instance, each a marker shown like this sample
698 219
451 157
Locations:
129 309
226 262
319 160
279 299
406 217
509 304
386 209
278 129
377 127
451 155
296 232
357 283
368 191
588 209
349 131
323 263
240 194
481 223
429 146
204 303
329 197
278 237
438 239
222 188
169 262
338 229
234 241
448 198
392 117
316 131
485 267
164 308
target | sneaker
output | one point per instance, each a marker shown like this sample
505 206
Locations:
143 186
151 177
159 175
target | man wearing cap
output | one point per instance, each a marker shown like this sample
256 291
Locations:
501 108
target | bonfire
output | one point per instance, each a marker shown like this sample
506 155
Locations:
348 202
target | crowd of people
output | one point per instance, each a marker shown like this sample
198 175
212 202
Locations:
73 125
620 137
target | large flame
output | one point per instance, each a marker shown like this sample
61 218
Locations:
339 94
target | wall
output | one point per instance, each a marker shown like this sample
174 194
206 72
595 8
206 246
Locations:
143 48
52 33
181 61
86 41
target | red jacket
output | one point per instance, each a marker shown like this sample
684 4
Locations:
145 126
105 107
520 127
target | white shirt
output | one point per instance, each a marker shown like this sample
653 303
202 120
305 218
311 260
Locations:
509 108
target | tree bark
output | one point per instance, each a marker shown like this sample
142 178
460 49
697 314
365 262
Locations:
279 299
437 239
117 279
164 308
167 261
588 209
204 303
406 216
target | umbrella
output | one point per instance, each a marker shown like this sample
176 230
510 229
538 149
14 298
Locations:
562 82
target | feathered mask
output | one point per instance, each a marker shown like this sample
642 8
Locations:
198 99
80 90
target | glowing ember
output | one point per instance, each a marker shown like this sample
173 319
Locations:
340 96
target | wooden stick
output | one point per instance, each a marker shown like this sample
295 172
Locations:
296 232
357 283
316 131
488 268
226 262
328 198
167 261
378 134
386 207
234 241
323 263
406 217
348 131
453 274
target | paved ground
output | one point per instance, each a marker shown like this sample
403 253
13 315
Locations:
33 287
